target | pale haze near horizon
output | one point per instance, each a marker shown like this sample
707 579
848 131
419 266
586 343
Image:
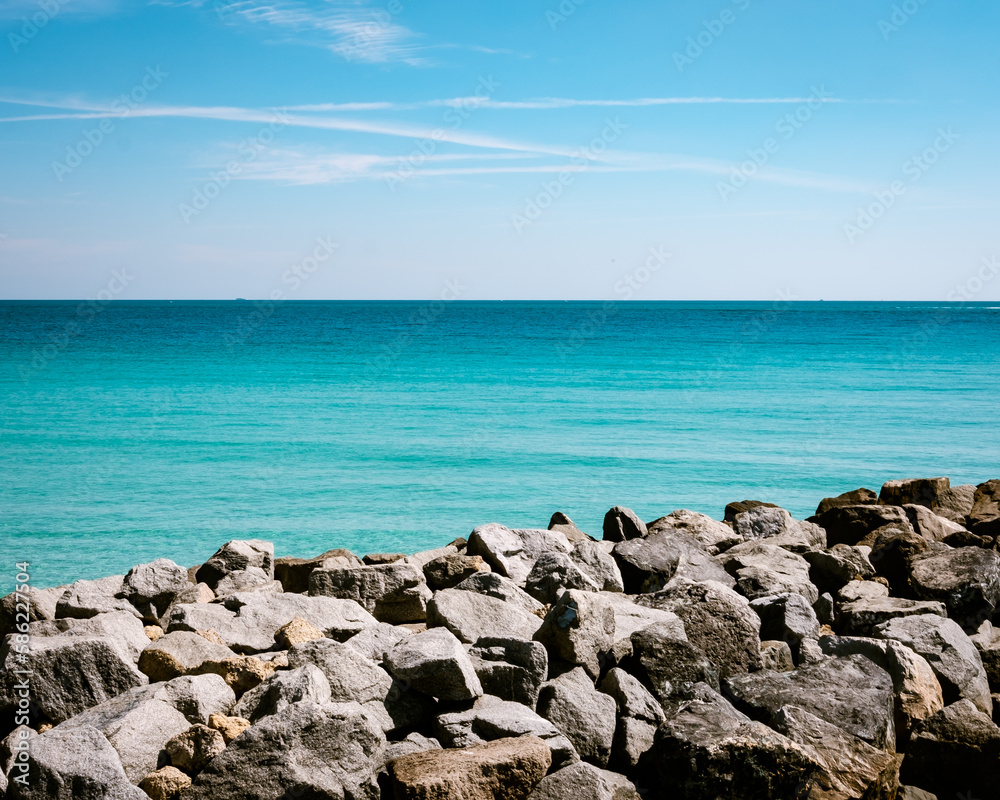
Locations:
516 151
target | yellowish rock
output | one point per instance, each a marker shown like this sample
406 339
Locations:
229 727
211 636
296 632
242 673
153 632
166 783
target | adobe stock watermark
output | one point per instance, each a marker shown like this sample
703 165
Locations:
32 26
58 341
580 161
913 169
20 746
901 14
625 289
121 107
785 129
711 30
293 279
454 118
558 15
249 150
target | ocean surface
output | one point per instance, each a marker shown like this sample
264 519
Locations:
135 430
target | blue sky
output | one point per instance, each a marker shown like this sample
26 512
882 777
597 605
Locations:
403 148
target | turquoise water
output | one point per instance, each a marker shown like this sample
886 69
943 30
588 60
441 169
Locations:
137 430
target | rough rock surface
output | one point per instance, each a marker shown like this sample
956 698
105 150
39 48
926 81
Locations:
582 781
435 663
513 553
584 715
393 593
714 536
967 580
621 524
471 616
236 556
511 669
579 629
763 569
649 564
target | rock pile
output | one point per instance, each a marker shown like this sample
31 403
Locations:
848 656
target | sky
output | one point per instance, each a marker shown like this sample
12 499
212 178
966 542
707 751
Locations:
582 149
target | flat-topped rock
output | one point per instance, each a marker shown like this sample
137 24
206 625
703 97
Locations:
513 553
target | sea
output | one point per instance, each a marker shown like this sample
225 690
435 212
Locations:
131 431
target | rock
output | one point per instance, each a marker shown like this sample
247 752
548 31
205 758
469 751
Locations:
967 580
579 629
510 669
649 564
597 563
987 642
446 572
392 593
413 743
471 616
235 556
714 537
916 690
584 715
493 585
68 674
948 650
193 593
513 553
179 653
351 676
197 697
435 663
955 753
831 569
560 523
732 509
788 617
583 781
374 642
639 714
491 718
252 579
850 692
294 572
153 632
851 524
152 587
554 573
763 569
508 768
242 673
120 627
283 689
229 727
296 632
984 518
86 599
858 497
382 558
76 764
137 724
621 524
851 767
776 655
249 620
166 783
39 604
861 616
913 793
710 751
956 503
717 620
929 525
192 750
921 491
669 664
777 527
893 549
313 751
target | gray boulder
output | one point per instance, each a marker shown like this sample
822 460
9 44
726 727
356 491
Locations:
493 585
491 718
777 527
776 655
857 497
866 604
930 526
851 524
763 569
77 764
714 537
179 653
560 523
121 627
921 491
197 697
394 593
956 503
669 664
86 599
152 587
949 651
717 620
596 562
584 715
639 715
311 750
649 564
554 573
579 629
622 524
511 669
967 580
351 676
235 556
582 781
471 616
984 518
831 569
435 663
513 553
252 579
851 692
447 571
283 689
293 573
788 617
374 642
41 605
987 642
